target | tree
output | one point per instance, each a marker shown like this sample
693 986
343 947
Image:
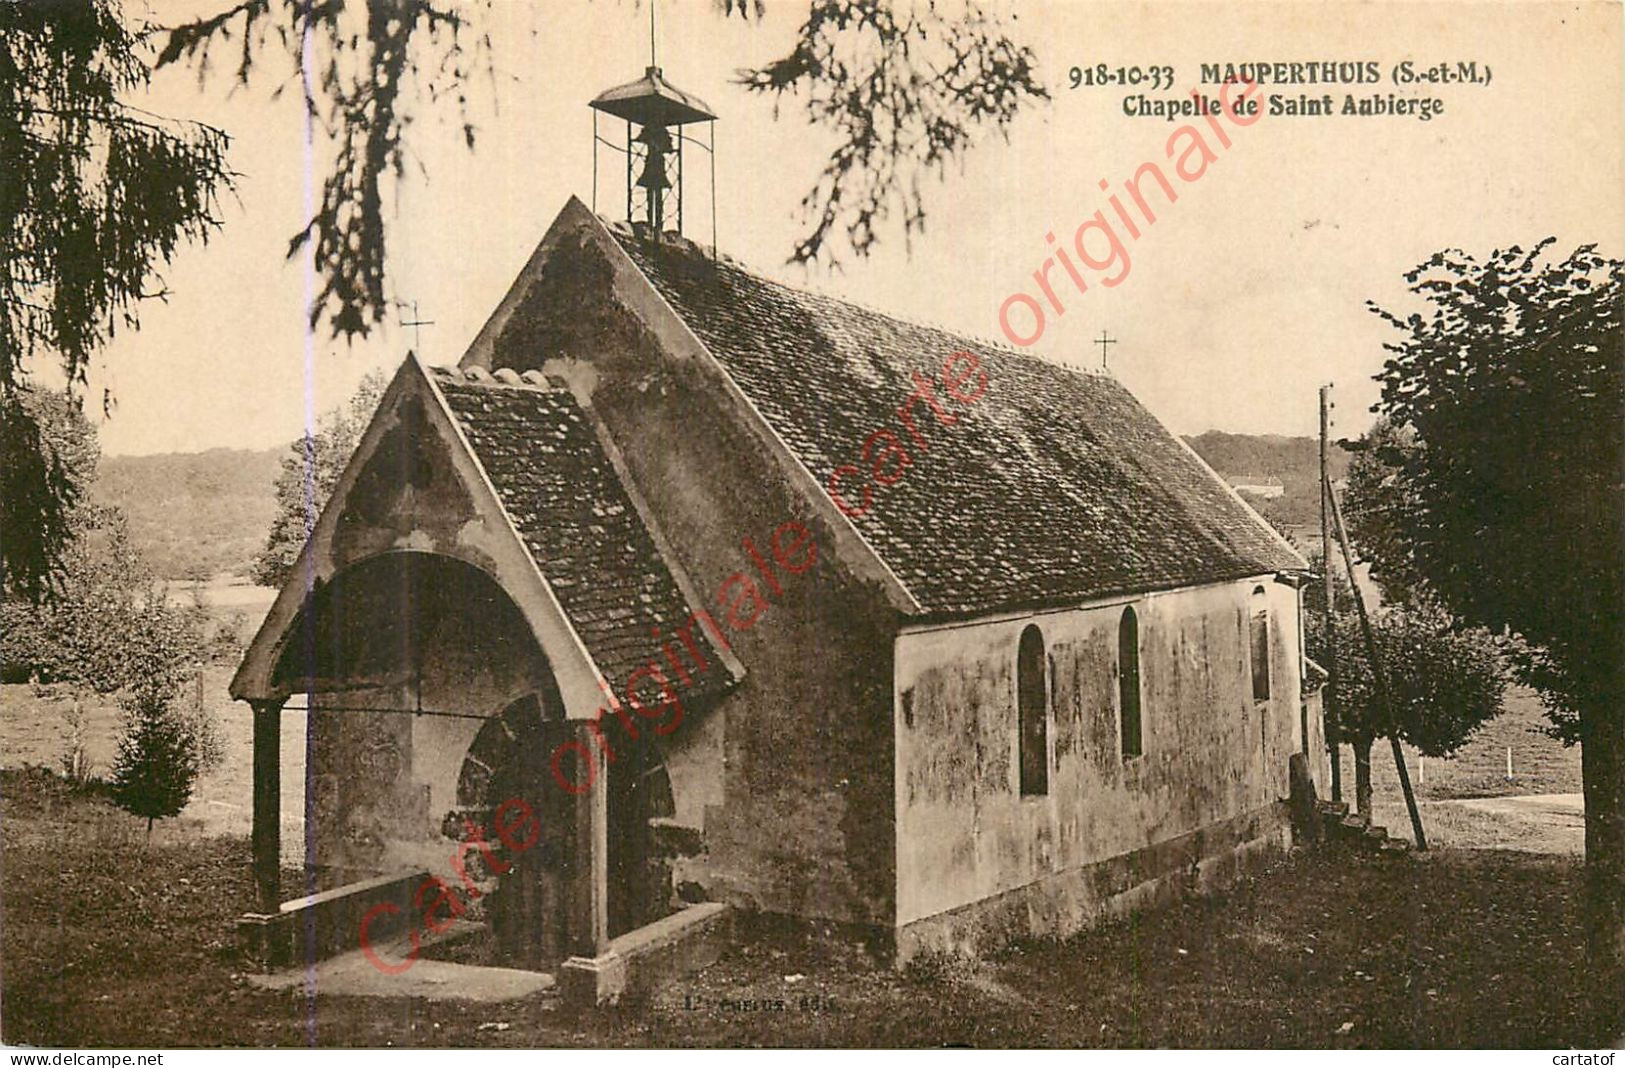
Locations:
48 456
1445 680
27 649
308 476
108 191
163 747
1511 386
906 88
80 635
111 627
76 637
157 761
97 197
1381 510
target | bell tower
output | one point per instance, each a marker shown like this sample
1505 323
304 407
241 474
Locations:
656 114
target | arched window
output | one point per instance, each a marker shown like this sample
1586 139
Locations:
1128 682
1032 706
1260 644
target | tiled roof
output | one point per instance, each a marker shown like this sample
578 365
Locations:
1055 485
557 485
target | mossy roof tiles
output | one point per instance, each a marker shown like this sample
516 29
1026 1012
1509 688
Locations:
564 497
1055 486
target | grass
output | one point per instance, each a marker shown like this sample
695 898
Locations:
34 732
1452 825
111 941
1540 764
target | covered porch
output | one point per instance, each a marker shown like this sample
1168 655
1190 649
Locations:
431 709
452 627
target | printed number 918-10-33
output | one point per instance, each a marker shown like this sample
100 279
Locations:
1102 74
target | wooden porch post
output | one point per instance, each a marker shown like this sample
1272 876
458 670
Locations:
589 935
267 835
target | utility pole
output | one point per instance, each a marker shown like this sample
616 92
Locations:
1328 710
1378 671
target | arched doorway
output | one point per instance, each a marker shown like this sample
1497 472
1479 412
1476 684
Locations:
529 908
404 649
403 655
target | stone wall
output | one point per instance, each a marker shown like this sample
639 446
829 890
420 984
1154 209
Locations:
409 613
790 778
1212 755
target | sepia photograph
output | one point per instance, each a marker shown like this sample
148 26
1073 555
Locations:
856 524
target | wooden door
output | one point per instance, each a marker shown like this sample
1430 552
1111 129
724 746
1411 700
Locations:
529 908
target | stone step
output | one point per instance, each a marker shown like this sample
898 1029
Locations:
1346 827
1365 837
1356 830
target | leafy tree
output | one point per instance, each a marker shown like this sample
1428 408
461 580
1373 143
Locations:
27 649
36 497
48 456
1445 681
96 198
1381 509
308 476
72 439
906 88
76 636
1511 387
106 192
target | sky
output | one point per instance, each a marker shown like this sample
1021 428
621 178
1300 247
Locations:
1246 295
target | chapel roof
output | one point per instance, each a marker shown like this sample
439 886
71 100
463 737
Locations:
559 488
1056 485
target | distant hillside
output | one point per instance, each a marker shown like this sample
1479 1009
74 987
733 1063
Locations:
194 512
1293 462
209 511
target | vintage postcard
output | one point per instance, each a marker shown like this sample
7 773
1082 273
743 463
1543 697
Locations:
811 523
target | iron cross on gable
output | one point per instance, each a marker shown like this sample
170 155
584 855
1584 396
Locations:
416 322
1103 341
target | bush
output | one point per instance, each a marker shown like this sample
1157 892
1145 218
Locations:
226 643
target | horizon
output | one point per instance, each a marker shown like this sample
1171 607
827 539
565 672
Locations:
286 445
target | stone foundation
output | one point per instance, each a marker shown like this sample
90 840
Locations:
1069 901
647 958
328 923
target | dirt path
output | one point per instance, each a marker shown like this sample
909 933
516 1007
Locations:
1562 808
1531 823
